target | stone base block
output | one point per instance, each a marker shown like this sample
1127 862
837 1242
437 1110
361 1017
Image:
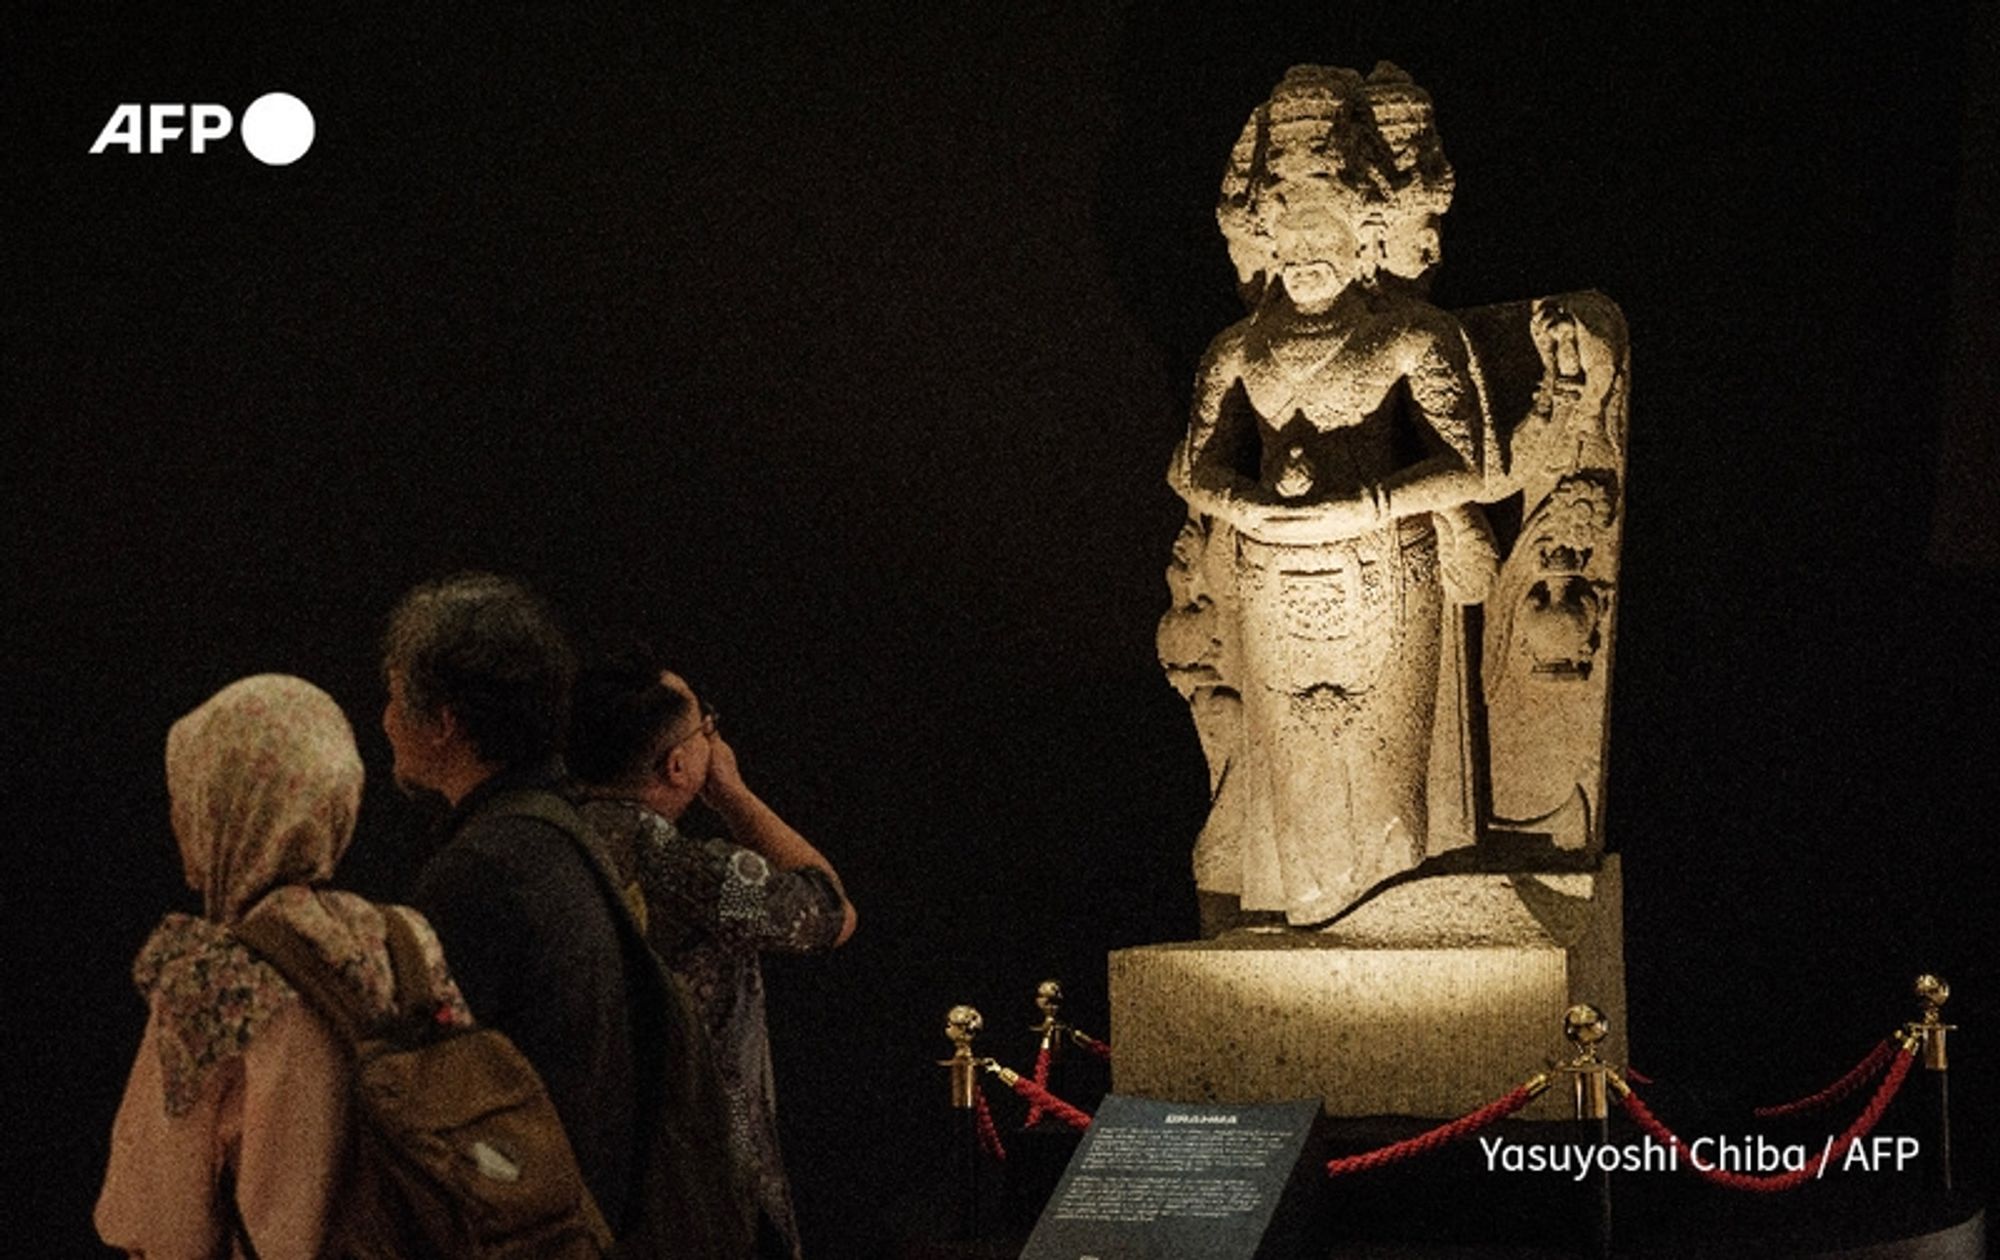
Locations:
1431 999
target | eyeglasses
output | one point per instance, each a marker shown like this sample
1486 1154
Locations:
709 717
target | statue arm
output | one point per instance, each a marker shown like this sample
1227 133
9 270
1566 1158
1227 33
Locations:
1433 362
1202 474
1208 485
1451 416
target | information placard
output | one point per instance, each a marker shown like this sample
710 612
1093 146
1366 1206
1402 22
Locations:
1175 1181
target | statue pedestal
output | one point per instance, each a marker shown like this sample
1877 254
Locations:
1433 998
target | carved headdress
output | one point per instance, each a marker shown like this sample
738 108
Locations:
1332 142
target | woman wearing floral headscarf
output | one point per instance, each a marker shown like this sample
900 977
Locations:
235 1117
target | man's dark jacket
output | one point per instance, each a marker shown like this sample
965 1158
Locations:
545 950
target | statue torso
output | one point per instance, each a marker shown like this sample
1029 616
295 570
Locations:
1332 376
1326 385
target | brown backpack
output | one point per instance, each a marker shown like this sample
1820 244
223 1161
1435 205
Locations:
687 1202
455 1149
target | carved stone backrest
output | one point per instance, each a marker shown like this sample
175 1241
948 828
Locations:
1524 715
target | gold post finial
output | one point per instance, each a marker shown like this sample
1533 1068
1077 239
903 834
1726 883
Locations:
1930 1028
1585 1026
1048 1000
1932 991
1049 996
961 1025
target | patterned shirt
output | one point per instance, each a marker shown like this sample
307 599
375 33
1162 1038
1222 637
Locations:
711 907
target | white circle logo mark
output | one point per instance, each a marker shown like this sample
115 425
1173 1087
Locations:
277 128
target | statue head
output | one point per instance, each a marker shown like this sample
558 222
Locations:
1336 179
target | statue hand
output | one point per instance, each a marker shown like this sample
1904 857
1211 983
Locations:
1544 321
1309 522
1468 554
1263 514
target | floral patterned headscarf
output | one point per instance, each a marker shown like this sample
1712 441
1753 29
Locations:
265 783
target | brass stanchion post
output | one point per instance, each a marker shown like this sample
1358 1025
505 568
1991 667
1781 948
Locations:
961 1025
1043 1146
1929 1032
1589 1076
1585 1026
1054 1033
1049 1000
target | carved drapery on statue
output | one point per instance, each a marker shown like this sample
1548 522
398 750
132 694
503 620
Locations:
1393 598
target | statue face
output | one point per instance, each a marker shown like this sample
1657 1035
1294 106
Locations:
1311 284
1317 255
1299 151
1402 119
1411 247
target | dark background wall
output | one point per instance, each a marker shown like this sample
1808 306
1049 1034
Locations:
843 354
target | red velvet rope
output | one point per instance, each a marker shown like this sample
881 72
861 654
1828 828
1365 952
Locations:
1423 1143
1099 1048
989 1137
1859 1075
1050 1104
1866 1121
1035 1109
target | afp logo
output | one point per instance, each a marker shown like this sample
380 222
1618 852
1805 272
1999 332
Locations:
277 128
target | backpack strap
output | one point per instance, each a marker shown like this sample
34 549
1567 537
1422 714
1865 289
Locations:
409 970
293 957
676 1212
546 806
274 941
